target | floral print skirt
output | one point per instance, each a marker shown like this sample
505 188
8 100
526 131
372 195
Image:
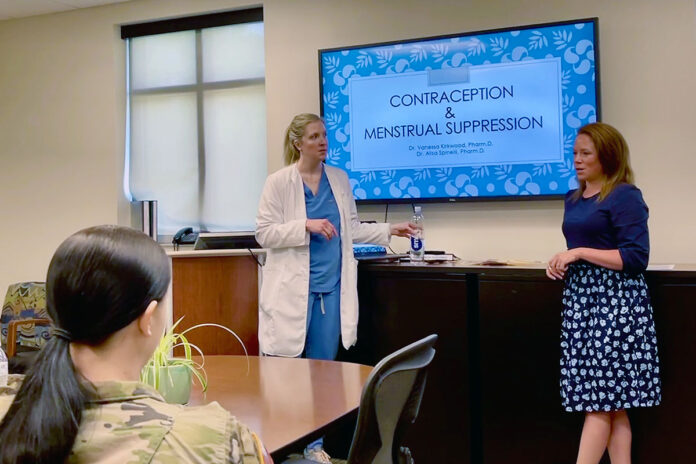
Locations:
609 356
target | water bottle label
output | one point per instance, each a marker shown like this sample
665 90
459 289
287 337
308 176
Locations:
416 244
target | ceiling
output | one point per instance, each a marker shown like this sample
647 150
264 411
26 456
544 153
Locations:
20 8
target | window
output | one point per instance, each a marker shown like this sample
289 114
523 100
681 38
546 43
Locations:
196 136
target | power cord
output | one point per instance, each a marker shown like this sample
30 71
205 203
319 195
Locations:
386 216
256 258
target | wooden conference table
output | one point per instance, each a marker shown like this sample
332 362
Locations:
287 401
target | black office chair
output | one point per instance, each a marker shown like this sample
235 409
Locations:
389 404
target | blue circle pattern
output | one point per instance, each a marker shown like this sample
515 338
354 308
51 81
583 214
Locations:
609 356
572 42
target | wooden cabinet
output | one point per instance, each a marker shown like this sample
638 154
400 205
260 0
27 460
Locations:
493 390
492 394
220 289
666 433
520 320
397 310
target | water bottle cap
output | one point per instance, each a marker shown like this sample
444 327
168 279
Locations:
417 209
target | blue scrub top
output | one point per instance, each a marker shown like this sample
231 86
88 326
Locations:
324 255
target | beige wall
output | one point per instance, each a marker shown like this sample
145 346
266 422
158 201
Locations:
62 119
62 114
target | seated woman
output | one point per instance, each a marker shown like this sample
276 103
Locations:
81 401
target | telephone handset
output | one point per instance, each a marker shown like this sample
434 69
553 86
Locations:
185 236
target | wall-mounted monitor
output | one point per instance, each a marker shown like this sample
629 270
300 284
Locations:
478 115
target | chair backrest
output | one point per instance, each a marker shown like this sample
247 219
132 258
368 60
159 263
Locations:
25 300
390 402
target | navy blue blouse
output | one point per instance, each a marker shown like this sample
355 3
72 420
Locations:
620 221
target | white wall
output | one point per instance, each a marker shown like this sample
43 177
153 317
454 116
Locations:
62 119
647 52
62 114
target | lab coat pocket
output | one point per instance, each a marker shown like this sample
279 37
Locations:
269 288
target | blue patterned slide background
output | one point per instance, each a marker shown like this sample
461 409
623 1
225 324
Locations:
492 114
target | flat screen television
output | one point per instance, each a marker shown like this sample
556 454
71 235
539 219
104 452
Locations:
478 115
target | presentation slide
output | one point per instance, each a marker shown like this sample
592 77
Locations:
483 118
487 115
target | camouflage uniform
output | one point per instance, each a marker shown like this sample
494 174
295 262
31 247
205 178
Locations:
131 423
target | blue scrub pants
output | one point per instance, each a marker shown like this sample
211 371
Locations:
323 325
323 331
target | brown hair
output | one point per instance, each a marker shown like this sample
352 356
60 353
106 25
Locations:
612 152
294 133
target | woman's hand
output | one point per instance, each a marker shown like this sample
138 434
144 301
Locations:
403 229
321 227
558 264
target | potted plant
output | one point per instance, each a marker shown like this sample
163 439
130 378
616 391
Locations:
172 376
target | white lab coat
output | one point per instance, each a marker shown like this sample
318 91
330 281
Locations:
280 228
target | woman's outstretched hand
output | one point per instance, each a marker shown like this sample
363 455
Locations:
403 229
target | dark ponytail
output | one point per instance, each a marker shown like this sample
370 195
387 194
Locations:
42 422
99 281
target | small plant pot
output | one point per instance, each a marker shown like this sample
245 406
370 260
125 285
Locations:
174 383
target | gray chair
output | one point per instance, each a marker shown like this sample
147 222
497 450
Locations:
389 404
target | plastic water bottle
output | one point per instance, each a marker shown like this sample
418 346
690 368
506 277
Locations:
417 244
3 368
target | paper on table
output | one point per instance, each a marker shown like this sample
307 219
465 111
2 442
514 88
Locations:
660 267
442 257
507 262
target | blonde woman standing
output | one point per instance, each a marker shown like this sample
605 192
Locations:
308 222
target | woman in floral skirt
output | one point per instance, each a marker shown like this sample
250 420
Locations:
609 359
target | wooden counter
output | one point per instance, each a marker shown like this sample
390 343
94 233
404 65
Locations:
492 392
219 286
